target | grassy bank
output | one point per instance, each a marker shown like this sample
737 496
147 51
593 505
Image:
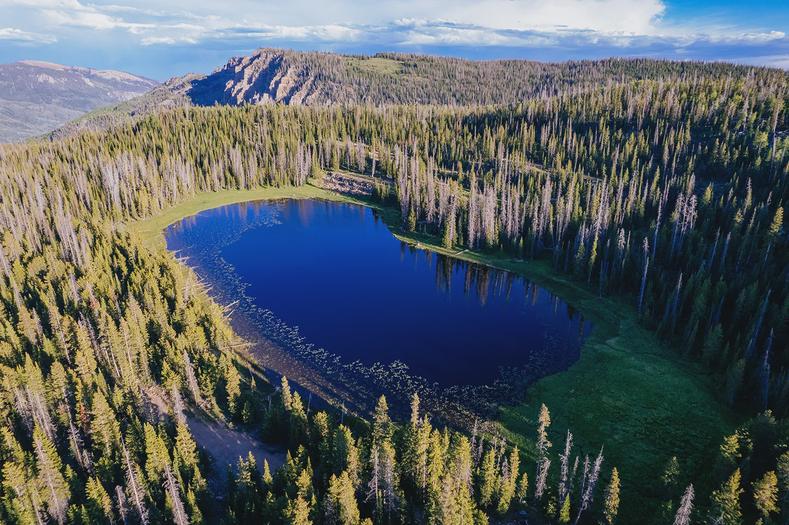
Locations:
627 392
151 230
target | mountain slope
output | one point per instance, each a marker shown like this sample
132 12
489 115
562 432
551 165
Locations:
292 77
37 97
318 79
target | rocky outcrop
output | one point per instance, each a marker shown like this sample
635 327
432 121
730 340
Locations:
263 77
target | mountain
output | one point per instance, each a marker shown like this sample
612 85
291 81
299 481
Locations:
319 79
37 97
313 78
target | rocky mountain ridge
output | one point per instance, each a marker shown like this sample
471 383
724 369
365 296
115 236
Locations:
269 76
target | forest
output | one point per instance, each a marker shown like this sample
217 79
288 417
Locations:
400 78
669 192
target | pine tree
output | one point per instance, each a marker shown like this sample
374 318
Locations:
298 512
564 481
670 475
508 481
340 506
776 226
611 503
588 486
99 502
232 384
25 502
542 445
782 473
297 420
390 482
157 457
448 237
382 424
134 488
725 506
765 494
685 509
48 465
185 447
564 511
285 392
523 488
543 422
417 446
487 478
174 499
104 423
346 455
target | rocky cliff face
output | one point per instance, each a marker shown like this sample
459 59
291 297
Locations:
37 97
263 77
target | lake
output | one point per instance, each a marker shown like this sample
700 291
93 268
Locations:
329 279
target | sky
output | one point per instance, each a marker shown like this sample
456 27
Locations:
164 38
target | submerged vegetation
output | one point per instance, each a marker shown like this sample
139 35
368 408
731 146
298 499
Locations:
667 195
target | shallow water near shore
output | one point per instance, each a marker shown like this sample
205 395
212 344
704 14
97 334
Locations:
331 285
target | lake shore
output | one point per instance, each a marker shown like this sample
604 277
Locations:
628 391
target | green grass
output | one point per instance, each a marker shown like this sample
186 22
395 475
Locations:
628 391
151 230
378 65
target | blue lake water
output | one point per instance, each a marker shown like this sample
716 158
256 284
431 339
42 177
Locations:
336 272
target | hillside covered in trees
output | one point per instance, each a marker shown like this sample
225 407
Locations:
667 190
321 79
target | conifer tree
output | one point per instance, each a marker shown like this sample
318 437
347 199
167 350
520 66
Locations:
346 455
542 445
48 465
765 494
564 511
381 422
487 478
683 515
611 503
782 473
99 502
725 505
341 507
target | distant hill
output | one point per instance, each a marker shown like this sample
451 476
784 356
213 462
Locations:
37 97
315 78
291 77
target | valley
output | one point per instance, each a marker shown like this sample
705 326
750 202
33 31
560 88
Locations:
430 290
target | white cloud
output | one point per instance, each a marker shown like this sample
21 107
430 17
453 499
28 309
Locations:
329 33
341 19
752 37
622 26
17 35
605 16
167 40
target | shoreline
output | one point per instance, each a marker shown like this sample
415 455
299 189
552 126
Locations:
626 380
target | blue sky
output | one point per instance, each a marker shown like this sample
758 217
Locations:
164 38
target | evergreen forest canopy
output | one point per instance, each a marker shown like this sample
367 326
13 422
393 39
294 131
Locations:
386 79
668 191
299 77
